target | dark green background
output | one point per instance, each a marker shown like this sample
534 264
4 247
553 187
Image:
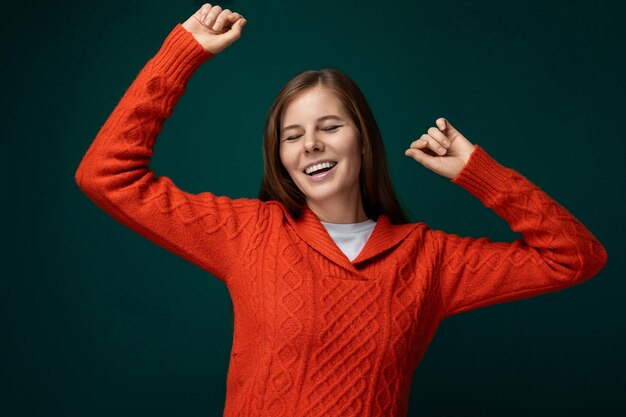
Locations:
98 321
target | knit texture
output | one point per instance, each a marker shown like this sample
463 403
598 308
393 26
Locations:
314 333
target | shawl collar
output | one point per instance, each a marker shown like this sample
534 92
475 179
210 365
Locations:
384 236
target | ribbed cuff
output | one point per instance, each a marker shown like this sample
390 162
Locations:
483 176
180 55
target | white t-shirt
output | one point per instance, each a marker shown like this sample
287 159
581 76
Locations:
350 237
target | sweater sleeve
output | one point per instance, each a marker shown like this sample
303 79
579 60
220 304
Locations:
556 250
204 229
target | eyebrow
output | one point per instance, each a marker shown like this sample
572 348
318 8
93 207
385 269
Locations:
320 119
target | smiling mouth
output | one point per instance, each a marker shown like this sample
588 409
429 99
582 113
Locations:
320 168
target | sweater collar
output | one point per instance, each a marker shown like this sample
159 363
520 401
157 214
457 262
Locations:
384 236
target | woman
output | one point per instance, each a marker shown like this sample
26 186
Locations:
336 297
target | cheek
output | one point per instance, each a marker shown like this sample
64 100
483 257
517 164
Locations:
355 153
357 168
287 161
282 158
358 161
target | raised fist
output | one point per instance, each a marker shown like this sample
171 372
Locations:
215 29
443 150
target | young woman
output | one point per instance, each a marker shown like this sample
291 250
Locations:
336 296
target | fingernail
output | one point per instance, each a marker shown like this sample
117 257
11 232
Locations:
441 150
446 143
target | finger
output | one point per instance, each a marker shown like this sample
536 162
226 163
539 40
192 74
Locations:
431 144
434 145
232 19
221 19
421 157
203 11
438 135
236 30
209 20
421 143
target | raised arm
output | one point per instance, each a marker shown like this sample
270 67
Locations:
202 228
556 251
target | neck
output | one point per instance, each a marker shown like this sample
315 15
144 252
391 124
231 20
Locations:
340 210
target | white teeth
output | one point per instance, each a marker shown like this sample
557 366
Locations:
317 167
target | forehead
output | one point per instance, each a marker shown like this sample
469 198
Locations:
312 103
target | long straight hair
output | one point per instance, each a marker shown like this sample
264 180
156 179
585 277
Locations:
377 192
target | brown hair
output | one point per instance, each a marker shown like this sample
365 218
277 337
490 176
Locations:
377 191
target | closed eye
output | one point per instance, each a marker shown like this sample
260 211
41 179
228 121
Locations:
330 129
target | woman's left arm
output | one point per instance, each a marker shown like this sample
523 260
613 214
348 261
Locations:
556 251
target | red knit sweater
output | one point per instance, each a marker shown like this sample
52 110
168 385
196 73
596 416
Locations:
316 334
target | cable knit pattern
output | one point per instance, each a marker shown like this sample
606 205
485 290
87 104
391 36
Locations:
316 334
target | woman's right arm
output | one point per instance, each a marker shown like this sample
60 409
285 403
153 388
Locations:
205 229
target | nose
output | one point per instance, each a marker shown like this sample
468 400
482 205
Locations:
312 143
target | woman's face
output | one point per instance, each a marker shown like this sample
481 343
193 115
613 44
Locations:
316 129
